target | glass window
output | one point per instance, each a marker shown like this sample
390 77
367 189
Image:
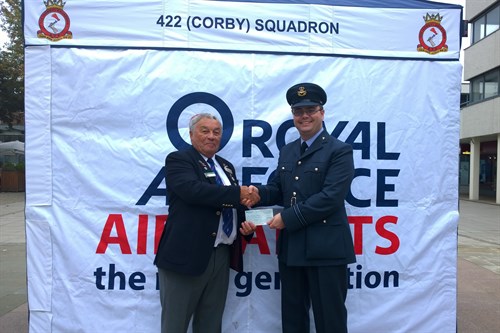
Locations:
478 29
492 20
485 86
476 89
491 84
464 99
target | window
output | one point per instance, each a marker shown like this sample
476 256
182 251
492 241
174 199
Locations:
486 24
477 89
478 28
491 84
492 20
485 86
464 99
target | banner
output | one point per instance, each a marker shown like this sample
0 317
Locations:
100 122
408 29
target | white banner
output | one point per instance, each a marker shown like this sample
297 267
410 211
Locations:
100 121
111 130
429 30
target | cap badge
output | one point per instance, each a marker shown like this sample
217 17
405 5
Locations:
302 92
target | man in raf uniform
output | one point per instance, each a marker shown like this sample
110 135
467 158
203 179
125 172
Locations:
315 245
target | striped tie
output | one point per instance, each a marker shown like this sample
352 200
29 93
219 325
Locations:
227 213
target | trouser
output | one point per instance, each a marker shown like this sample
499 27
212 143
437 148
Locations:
201 298
323 286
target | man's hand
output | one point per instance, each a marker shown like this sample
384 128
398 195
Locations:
247 228
276 222
249 195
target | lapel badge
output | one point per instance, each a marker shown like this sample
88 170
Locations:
203 165
228 169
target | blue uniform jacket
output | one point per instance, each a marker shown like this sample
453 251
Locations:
195 206
312 189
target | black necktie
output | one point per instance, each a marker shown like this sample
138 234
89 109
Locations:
227 213
303 147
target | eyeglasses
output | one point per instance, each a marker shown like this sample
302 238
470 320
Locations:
299 112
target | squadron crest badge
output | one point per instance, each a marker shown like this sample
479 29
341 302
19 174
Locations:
302 92
432 36
54 22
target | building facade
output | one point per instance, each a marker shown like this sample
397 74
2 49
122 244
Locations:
480 112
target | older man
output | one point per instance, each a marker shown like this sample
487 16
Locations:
201 239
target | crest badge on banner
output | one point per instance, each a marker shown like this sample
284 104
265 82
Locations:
54 22
107 100
432 36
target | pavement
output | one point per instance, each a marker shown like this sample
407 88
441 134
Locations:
478 290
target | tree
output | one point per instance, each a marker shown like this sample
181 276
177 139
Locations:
11 62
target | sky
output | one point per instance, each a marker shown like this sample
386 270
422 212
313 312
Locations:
465 41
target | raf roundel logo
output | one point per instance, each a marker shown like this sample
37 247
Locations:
432 36
54 22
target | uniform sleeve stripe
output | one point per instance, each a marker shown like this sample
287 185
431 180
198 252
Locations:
299 215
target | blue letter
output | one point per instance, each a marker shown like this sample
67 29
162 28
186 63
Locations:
259 142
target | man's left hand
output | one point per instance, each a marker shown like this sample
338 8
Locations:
276 222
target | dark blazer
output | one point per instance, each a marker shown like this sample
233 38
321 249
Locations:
317 231
195 205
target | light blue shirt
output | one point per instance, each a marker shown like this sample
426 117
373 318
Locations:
311 140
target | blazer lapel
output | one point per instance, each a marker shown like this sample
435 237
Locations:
227 170
203 166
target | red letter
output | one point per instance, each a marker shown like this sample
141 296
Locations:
358 222
259 238
142 234
160 225
120 238
390 236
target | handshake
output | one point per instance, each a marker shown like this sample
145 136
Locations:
249 195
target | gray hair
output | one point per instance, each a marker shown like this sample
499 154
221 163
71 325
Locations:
197 117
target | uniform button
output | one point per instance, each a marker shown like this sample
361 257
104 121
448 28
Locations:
214 234
218 213
299 162
324 221
282 168
296 178
315 169
294 193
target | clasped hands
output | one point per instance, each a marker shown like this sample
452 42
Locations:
249 196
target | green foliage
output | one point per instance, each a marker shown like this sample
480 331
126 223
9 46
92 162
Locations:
11 61
20 166
9 166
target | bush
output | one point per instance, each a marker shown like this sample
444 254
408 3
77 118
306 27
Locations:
9 166
20 166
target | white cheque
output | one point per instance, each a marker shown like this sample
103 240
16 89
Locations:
259 216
